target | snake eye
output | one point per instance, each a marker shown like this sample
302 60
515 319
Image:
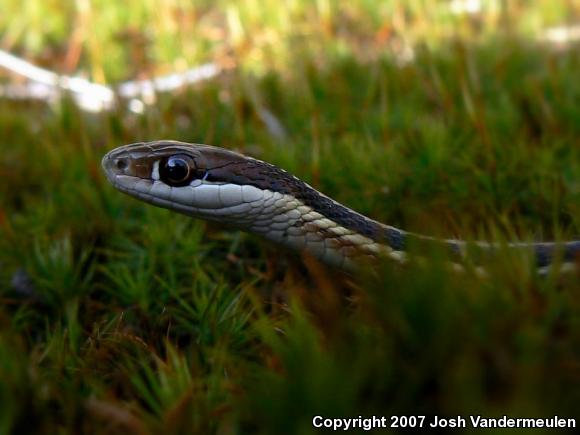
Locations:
177 170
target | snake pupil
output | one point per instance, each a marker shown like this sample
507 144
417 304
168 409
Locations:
122 164
177 170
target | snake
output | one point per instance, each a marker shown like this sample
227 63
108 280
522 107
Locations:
220 185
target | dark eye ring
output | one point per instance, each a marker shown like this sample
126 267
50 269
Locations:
177 170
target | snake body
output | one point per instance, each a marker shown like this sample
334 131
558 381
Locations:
220 185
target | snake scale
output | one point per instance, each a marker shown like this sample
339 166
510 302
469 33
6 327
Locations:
220 185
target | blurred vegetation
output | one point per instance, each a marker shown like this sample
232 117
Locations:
117 317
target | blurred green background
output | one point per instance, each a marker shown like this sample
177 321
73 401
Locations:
449 118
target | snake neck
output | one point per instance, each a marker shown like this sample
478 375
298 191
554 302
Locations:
302 218
290 212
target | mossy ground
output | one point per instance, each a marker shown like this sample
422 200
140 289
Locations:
116 316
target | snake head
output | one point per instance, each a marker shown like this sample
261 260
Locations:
195 179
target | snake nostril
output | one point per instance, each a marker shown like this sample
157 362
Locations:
121 164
